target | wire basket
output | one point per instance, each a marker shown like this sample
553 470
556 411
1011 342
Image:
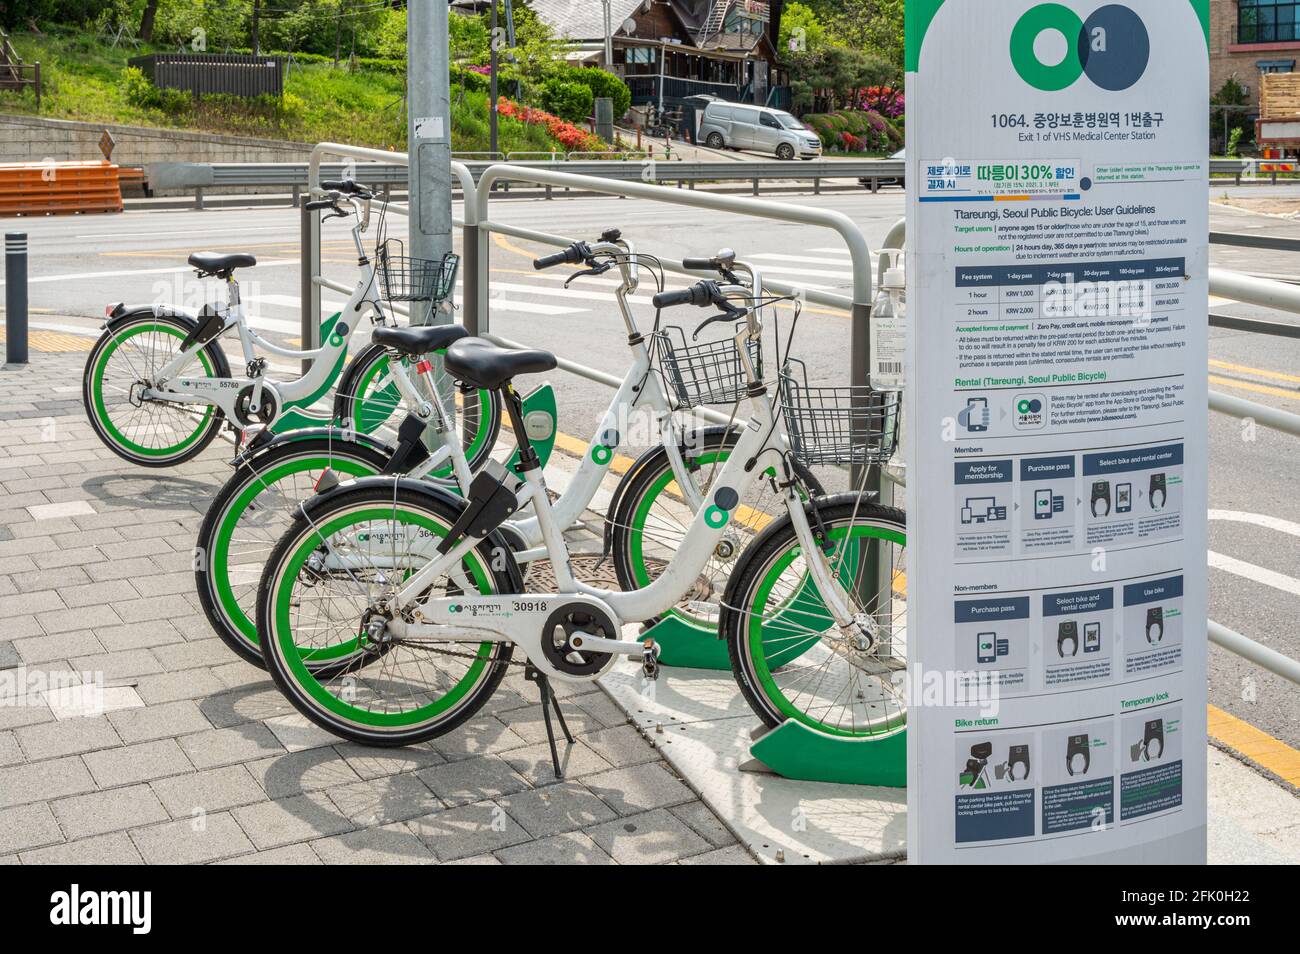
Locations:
710 373
414 279
842 425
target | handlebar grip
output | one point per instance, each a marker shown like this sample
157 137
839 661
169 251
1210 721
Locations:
685 296
317 204
548 261
699 264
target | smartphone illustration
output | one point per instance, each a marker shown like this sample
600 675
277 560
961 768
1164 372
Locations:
1092 637
1043 504
977 418
1124 498
986 647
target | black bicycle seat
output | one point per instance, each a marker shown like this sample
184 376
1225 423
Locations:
418 339
221 263
478 362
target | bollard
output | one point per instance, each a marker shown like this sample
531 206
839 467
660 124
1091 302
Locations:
15 297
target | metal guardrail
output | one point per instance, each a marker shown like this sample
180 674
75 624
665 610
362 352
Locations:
189 176
1229 167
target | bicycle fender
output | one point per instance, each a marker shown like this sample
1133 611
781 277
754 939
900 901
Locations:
255 450
124 313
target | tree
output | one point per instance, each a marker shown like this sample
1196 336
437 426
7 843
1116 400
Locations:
870 26
147 20
801 29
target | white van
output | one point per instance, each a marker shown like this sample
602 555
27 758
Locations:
773 131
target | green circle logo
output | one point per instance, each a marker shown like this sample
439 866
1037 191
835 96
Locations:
716 517
1023 407
1036 21
601 454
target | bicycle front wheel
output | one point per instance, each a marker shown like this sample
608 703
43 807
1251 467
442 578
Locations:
126 361
789 656
318 596
251 512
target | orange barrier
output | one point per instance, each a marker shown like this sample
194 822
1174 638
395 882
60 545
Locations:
59 188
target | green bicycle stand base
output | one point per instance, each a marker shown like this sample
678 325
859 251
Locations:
796 751
684 644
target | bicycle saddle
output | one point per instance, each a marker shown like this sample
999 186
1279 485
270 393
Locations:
221 263
418 339
478 362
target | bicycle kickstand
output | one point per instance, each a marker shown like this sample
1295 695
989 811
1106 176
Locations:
549 702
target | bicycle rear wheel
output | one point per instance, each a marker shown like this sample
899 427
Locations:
127 359
319 593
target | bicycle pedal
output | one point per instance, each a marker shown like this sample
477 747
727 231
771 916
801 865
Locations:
650 660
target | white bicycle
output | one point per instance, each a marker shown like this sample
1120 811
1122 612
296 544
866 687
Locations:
157 385
424 591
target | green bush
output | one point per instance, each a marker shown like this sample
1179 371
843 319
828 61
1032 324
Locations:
474 82
603 84
874 132
139 91
571 101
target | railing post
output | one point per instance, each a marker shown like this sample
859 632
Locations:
310 334
15 297
469 274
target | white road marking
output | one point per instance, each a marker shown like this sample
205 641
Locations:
805 259
1258 519
127 272
1279 581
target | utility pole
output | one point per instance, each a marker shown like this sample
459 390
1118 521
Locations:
257 17
492 80
609 39
429 137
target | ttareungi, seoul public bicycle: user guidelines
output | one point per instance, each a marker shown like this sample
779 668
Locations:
418 594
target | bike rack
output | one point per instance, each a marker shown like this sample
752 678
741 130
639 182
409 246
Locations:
792 749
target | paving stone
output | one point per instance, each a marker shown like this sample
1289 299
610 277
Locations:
390 845
153 608
82 816
468 830
170 686
155 632
296 732
112 849
639 788
227 746
651 838
192 841
52 778
529 725
730 855
159 722
301 818
29 710
142 762
602 708
91 594
534 763
369 762
554 809
472 780
51 740
380 801
9 658
621 746
119 569
297 772
704 823
10 753
27 826
161 584
43 649
253 703
570 848
475 860
212 791
118 666
299 854
90 700
192 654
477 737
84 617
77 556
46 600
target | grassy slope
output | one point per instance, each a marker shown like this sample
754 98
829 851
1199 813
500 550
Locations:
82 81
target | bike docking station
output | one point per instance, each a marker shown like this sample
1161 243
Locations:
1057 446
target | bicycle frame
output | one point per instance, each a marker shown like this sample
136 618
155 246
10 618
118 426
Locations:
226 393
523 619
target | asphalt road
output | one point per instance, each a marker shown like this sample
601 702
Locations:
78 265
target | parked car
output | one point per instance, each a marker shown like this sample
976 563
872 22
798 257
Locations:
901 181
773 131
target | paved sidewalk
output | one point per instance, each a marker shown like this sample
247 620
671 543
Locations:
197 758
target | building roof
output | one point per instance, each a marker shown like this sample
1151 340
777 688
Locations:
584 19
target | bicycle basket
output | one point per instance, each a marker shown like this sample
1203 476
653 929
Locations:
840 425
414 279
710 373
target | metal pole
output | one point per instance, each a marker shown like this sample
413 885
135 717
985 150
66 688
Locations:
429 133
15 297
609 39
310 291
492 80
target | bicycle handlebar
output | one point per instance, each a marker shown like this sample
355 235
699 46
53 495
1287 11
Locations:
700 294
575 254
